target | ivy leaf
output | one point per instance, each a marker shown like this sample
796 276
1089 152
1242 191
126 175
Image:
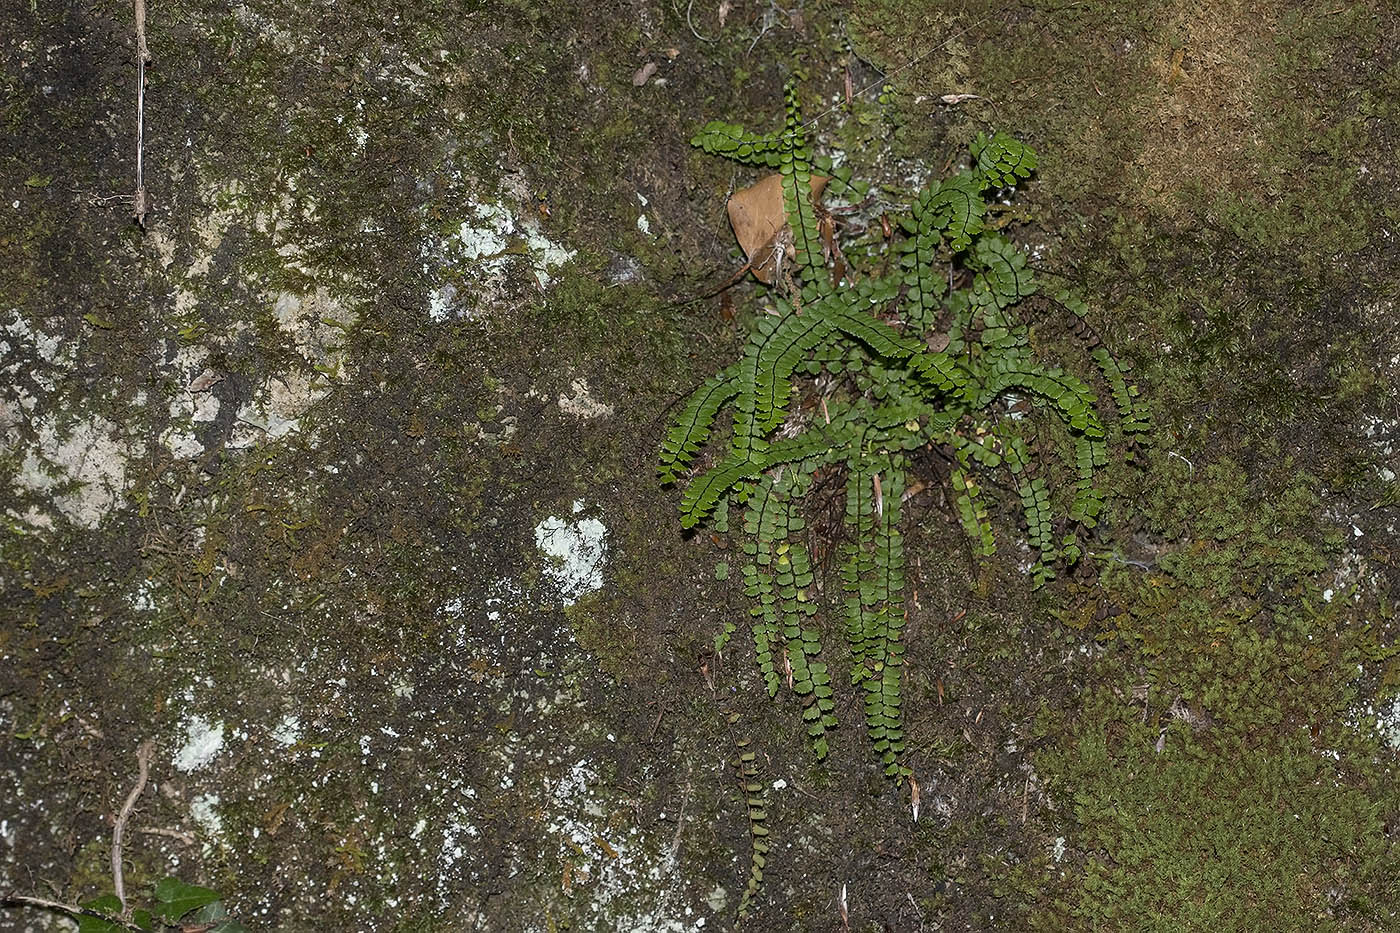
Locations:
106 904
175 898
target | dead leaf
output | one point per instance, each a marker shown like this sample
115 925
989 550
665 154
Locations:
724 7
1178 57
644 74
758 218
954 99
206 380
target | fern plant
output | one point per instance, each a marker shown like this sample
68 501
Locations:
864 346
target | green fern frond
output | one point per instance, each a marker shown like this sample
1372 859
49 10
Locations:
1003 275
840 177
734 142
1002 160
814 447
795 164
954 208
756 802
692 426
781 345
972 512
1134 417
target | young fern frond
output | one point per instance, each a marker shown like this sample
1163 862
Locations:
795 165
1003 161
756 803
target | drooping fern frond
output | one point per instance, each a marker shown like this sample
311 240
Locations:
859 350
692 428
756 806
872 575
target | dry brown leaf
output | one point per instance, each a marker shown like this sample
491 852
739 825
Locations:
206 380
1178 57
724 7
758 218
643 74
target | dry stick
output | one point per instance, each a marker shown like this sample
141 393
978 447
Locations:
141 202
143 765
178 835
72 910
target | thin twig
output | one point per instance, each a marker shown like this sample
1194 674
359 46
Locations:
179 835
140 204
680 825
917 912
143 765
73 910
1172 453
691 23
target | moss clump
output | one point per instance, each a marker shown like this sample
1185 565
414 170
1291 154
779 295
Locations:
1217 776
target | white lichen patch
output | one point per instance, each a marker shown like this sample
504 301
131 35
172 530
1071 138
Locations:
91 454
496 232
203 742
581 403
77 462
277 409
204 810
487 248
192 405
287 732
643 224
1379 434
313 322
1388 724
189 268
441 302
19 337
575 551
316 324
609 861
